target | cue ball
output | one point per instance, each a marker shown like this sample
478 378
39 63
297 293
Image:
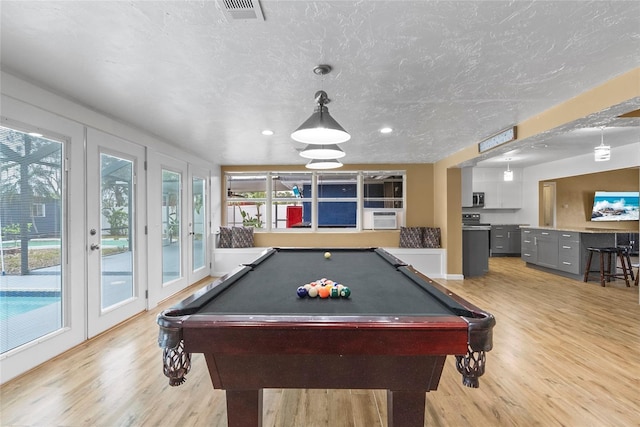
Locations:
327 255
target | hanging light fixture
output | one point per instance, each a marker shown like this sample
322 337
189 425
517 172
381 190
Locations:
324 164
321 128
331 151
602 152
508 174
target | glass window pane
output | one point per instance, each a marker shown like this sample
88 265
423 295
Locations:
337 200
31 239
288 193
383 190
116 226
171 225
246 197
199 214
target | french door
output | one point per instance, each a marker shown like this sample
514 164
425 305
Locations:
116 241
179 225
199 224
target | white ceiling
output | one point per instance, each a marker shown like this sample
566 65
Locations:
443 74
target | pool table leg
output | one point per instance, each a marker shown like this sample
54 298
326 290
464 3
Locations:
406 408
244 408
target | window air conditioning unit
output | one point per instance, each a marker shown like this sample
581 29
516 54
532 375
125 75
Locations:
385 221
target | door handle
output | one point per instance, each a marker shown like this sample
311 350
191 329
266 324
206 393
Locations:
94 246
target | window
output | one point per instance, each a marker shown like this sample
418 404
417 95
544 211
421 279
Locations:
246 197
383 190
314 200
288 192
38 210
31 244
337 200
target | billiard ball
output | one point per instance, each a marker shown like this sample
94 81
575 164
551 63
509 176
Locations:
323 293
345 292
313 292
334 293
302 292
327 255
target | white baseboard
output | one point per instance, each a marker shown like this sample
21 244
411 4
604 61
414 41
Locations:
431 262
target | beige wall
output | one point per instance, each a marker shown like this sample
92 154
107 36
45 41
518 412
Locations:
574 197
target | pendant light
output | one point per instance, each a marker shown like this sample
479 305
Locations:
332 151
508 174
602 152
321 128
323 164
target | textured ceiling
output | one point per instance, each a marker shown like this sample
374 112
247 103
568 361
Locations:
443 74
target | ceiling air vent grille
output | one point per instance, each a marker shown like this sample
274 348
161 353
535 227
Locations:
241 9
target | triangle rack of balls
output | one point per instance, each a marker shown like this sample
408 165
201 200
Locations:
323 288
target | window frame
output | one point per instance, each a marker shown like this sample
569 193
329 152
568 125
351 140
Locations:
271 202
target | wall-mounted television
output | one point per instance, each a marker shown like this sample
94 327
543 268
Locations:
615 206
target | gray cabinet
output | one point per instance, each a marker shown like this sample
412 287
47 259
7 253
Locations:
475 251
547 242
540 247
505 239
561 251
569 252
528 249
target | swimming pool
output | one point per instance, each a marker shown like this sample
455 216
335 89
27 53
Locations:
13 305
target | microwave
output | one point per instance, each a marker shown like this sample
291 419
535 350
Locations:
478 200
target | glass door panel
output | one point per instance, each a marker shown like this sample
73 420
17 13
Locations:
171 226
198 227
32 239
116 230
116 244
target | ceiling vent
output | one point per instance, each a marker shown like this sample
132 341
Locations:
247 10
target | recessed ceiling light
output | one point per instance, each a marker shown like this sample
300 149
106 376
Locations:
386 130
267 132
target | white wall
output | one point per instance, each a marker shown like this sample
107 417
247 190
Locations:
621 157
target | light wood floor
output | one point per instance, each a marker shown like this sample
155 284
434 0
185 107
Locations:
565 353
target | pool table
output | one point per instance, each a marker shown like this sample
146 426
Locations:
393 332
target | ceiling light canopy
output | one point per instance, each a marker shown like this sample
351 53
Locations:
331 151
321 128
324 164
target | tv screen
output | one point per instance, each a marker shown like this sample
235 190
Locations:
615 206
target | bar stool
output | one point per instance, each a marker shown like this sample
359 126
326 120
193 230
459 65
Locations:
605 272
626 253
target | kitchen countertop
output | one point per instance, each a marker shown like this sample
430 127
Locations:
475 227
583 229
